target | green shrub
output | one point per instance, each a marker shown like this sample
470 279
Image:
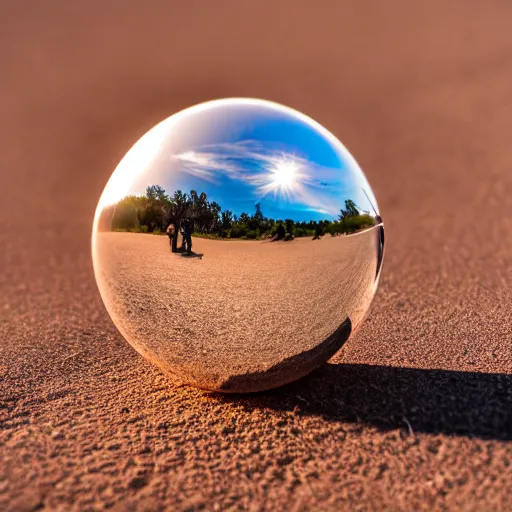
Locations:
157 231
144 229
336 228
125 217
238 231
299 232
357 222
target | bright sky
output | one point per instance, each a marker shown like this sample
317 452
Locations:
240 152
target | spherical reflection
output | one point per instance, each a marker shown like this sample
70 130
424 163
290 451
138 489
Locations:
237 245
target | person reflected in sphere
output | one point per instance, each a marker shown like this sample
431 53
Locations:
170 232
182 233
173 231
186 230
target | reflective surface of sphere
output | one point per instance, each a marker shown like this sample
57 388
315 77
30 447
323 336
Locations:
237 245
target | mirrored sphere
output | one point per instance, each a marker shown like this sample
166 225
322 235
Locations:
237 245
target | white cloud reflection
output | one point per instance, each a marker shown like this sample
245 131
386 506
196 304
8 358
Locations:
270 171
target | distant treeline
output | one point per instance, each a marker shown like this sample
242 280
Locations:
154 211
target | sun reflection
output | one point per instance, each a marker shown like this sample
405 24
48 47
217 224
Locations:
284 178
284 174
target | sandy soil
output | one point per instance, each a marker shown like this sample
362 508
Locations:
415 411
242 309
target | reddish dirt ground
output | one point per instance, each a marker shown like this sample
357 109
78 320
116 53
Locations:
415 412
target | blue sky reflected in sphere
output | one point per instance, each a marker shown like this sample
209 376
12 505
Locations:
241 152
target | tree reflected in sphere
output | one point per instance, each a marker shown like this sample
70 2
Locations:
237 245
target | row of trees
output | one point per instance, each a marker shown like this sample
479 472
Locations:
154 211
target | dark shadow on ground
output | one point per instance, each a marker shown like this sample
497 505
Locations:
429 401
288 369
192 255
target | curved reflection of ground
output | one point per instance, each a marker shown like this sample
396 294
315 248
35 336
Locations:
223 320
